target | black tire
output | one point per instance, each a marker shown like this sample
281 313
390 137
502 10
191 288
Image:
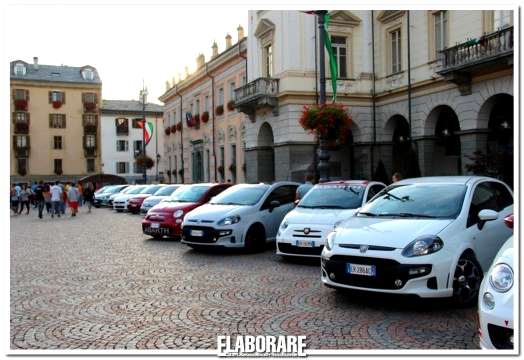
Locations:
158 237
466 281
255 239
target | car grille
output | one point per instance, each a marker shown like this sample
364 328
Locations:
209 235
500 336
307 233
155 217
200 221
388 272
368 247
292 249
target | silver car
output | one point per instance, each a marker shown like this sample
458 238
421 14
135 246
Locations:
163 193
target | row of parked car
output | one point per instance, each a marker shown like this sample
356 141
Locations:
430 237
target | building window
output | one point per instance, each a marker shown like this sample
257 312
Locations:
268 60
57 121
197 106
90 165
122 145
21 117
441 32
222 161
19 69
137 169
122 126
22 166
206 103
56 96
395 50
89 98
90 141
221 96
21 94
339 46
57 142
244 80
88 74
137 146
502 18
136 123
232 86
58 166
21 141
234 161
90 119
122 167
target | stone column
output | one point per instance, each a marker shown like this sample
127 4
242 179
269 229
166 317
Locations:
426 147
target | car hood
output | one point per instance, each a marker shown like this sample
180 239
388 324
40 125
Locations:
393 232
215 212
318 216
153 200
123 197
505 254
141 196
165 206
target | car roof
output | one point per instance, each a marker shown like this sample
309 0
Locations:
444 180
348 182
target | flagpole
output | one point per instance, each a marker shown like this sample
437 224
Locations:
144 94
323 155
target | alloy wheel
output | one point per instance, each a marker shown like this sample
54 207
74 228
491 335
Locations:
466 281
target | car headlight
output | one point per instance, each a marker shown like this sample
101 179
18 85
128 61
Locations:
337 224
178 214
501 277
284 225
424 245
330 240
230 220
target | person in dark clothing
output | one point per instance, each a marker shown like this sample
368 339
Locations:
25 195
89 195
39 198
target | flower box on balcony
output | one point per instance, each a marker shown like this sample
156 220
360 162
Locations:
196 118
21 104
179 126
173 129
219 110
56 104
230 105
167 130
90 106
205 117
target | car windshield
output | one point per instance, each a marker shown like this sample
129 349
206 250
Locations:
135 190
150 190
105 189
166 190
417 201
114 189
339 196
188 193
240 195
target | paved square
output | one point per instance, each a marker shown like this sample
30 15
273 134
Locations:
96 282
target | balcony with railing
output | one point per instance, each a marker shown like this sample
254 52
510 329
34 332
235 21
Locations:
90 151
487 53
21 122
90 123
259 93
21 146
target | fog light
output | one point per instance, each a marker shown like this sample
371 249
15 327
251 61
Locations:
178 221
489 300
417 271
398 283
332 276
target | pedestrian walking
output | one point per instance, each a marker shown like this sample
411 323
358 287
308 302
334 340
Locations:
25 193
32 197
47 198
39 197
63 203
72 196
89 195
56 199
14 199
81 194
303 189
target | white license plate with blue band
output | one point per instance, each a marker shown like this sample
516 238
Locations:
305 243
197 233
155 225
357 269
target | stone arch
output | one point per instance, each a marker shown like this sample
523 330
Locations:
488 106
265 135
266 153
446 155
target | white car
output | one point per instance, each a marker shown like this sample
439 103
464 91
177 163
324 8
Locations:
162 194
496 301
104 197
120 201
431 237
243 216
303 231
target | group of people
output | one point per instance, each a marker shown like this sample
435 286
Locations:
55 197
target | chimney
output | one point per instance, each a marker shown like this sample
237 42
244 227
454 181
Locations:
228 41
186 68
240 32
201 61
35 62
215 49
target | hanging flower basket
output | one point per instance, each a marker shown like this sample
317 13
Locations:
205 116
21 105
145 161
168 172
167 130
179 126
219 110
56 104
196 118
330 120
181 172
173 129
230 105
189 121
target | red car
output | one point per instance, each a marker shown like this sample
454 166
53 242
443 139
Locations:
165 218
134 204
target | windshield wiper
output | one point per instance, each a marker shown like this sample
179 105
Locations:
409 215
395 197
367 213
227 203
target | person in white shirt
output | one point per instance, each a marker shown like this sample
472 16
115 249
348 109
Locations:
56 198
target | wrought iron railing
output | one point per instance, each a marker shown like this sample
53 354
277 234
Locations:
256 88
491 45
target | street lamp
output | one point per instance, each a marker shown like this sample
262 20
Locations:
143 97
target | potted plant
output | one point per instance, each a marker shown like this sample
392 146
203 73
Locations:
233 168
230 105
219 110
329 120
181 172
21 104
167 130
56 104
173 128
220 169
145 161
205 116
179 126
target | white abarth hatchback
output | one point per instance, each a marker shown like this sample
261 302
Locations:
431 237
303 231
243 216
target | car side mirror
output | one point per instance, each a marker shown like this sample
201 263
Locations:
486 215
273 204
295 203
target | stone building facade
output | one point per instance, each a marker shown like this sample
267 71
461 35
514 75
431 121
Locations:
203 132
461 86
55 123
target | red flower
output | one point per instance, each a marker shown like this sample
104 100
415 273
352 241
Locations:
56 104
205 116
21 104
179 126
330 120
167 131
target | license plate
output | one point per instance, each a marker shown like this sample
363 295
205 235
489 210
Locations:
196 233
365 270
155 225
305 243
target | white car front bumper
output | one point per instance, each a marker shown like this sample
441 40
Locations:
302 240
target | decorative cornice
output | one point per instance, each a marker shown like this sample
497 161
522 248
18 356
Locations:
389 15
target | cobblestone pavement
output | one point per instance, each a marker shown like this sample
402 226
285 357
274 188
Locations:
96 282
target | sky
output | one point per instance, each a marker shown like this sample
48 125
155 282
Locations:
126 43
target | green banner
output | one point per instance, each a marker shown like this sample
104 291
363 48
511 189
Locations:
333 68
